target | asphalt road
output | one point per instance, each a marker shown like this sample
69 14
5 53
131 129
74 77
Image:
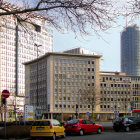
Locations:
134 135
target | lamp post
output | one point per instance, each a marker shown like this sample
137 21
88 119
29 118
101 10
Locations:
37 104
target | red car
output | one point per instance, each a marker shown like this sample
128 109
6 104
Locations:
82 126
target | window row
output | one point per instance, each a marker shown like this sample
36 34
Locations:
112 99
74 61
115 85
71 106
115 92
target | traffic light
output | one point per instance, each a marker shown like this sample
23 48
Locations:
76 106
76 114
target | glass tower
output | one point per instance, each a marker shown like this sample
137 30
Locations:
130 50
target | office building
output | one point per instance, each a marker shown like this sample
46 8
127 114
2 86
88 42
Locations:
130 50
120 94
77 50
64 77
61 79
20 42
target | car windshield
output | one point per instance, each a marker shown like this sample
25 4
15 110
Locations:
118 119
41 123
72 121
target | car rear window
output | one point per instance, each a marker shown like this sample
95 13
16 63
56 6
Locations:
41 123
72 121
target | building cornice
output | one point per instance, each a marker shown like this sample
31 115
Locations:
62 54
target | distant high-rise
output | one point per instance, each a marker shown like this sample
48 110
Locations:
77 50
130 50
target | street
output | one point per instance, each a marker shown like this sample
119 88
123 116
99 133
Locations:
134 135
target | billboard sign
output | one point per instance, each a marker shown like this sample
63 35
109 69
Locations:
28 113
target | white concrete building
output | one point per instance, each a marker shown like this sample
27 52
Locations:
20 42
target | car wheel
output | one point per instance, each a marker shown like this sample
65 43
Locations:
63 136
81 132
127 129
116 129
54 136
99 131
32 138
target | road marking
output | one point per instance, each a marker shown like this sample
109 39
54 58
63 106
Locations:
135 133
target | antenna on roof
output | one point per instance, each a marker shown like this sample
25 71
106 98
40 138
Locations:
126 17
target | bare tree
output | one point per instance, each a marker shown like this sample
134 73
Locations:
75 15
133 8
89 97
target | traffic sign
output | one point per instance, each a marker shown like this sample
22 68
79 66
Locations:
115 112
87 113
5 93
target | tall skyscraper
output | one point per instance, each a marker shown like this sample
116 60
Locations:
130 50
20 42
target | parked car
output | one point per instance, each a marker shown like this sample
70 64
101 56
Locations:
47 128
82 126
126 123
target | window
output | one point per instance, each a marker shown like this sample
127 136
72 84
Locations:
83 122
53 122
88 122
57 123
72 121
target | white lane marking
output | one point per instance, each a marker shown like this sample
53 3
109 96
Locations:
135 133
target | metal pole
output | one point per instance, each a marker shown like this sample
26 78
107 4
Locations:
37 76
5 120
15 111
16 93
37 81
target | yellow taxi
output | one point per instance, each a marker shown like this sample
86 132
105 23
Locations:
47 128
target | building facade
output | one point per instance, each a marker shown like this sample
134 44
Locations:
130 50
120 94
64 77
77 50
20 42
61 78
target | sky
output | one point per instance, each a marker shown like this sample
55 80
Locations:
108 44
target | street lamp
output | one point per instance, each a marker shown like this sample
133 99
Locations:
37 77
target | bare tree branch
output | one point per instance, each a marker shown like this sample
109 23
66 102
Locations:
90 97
75 15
